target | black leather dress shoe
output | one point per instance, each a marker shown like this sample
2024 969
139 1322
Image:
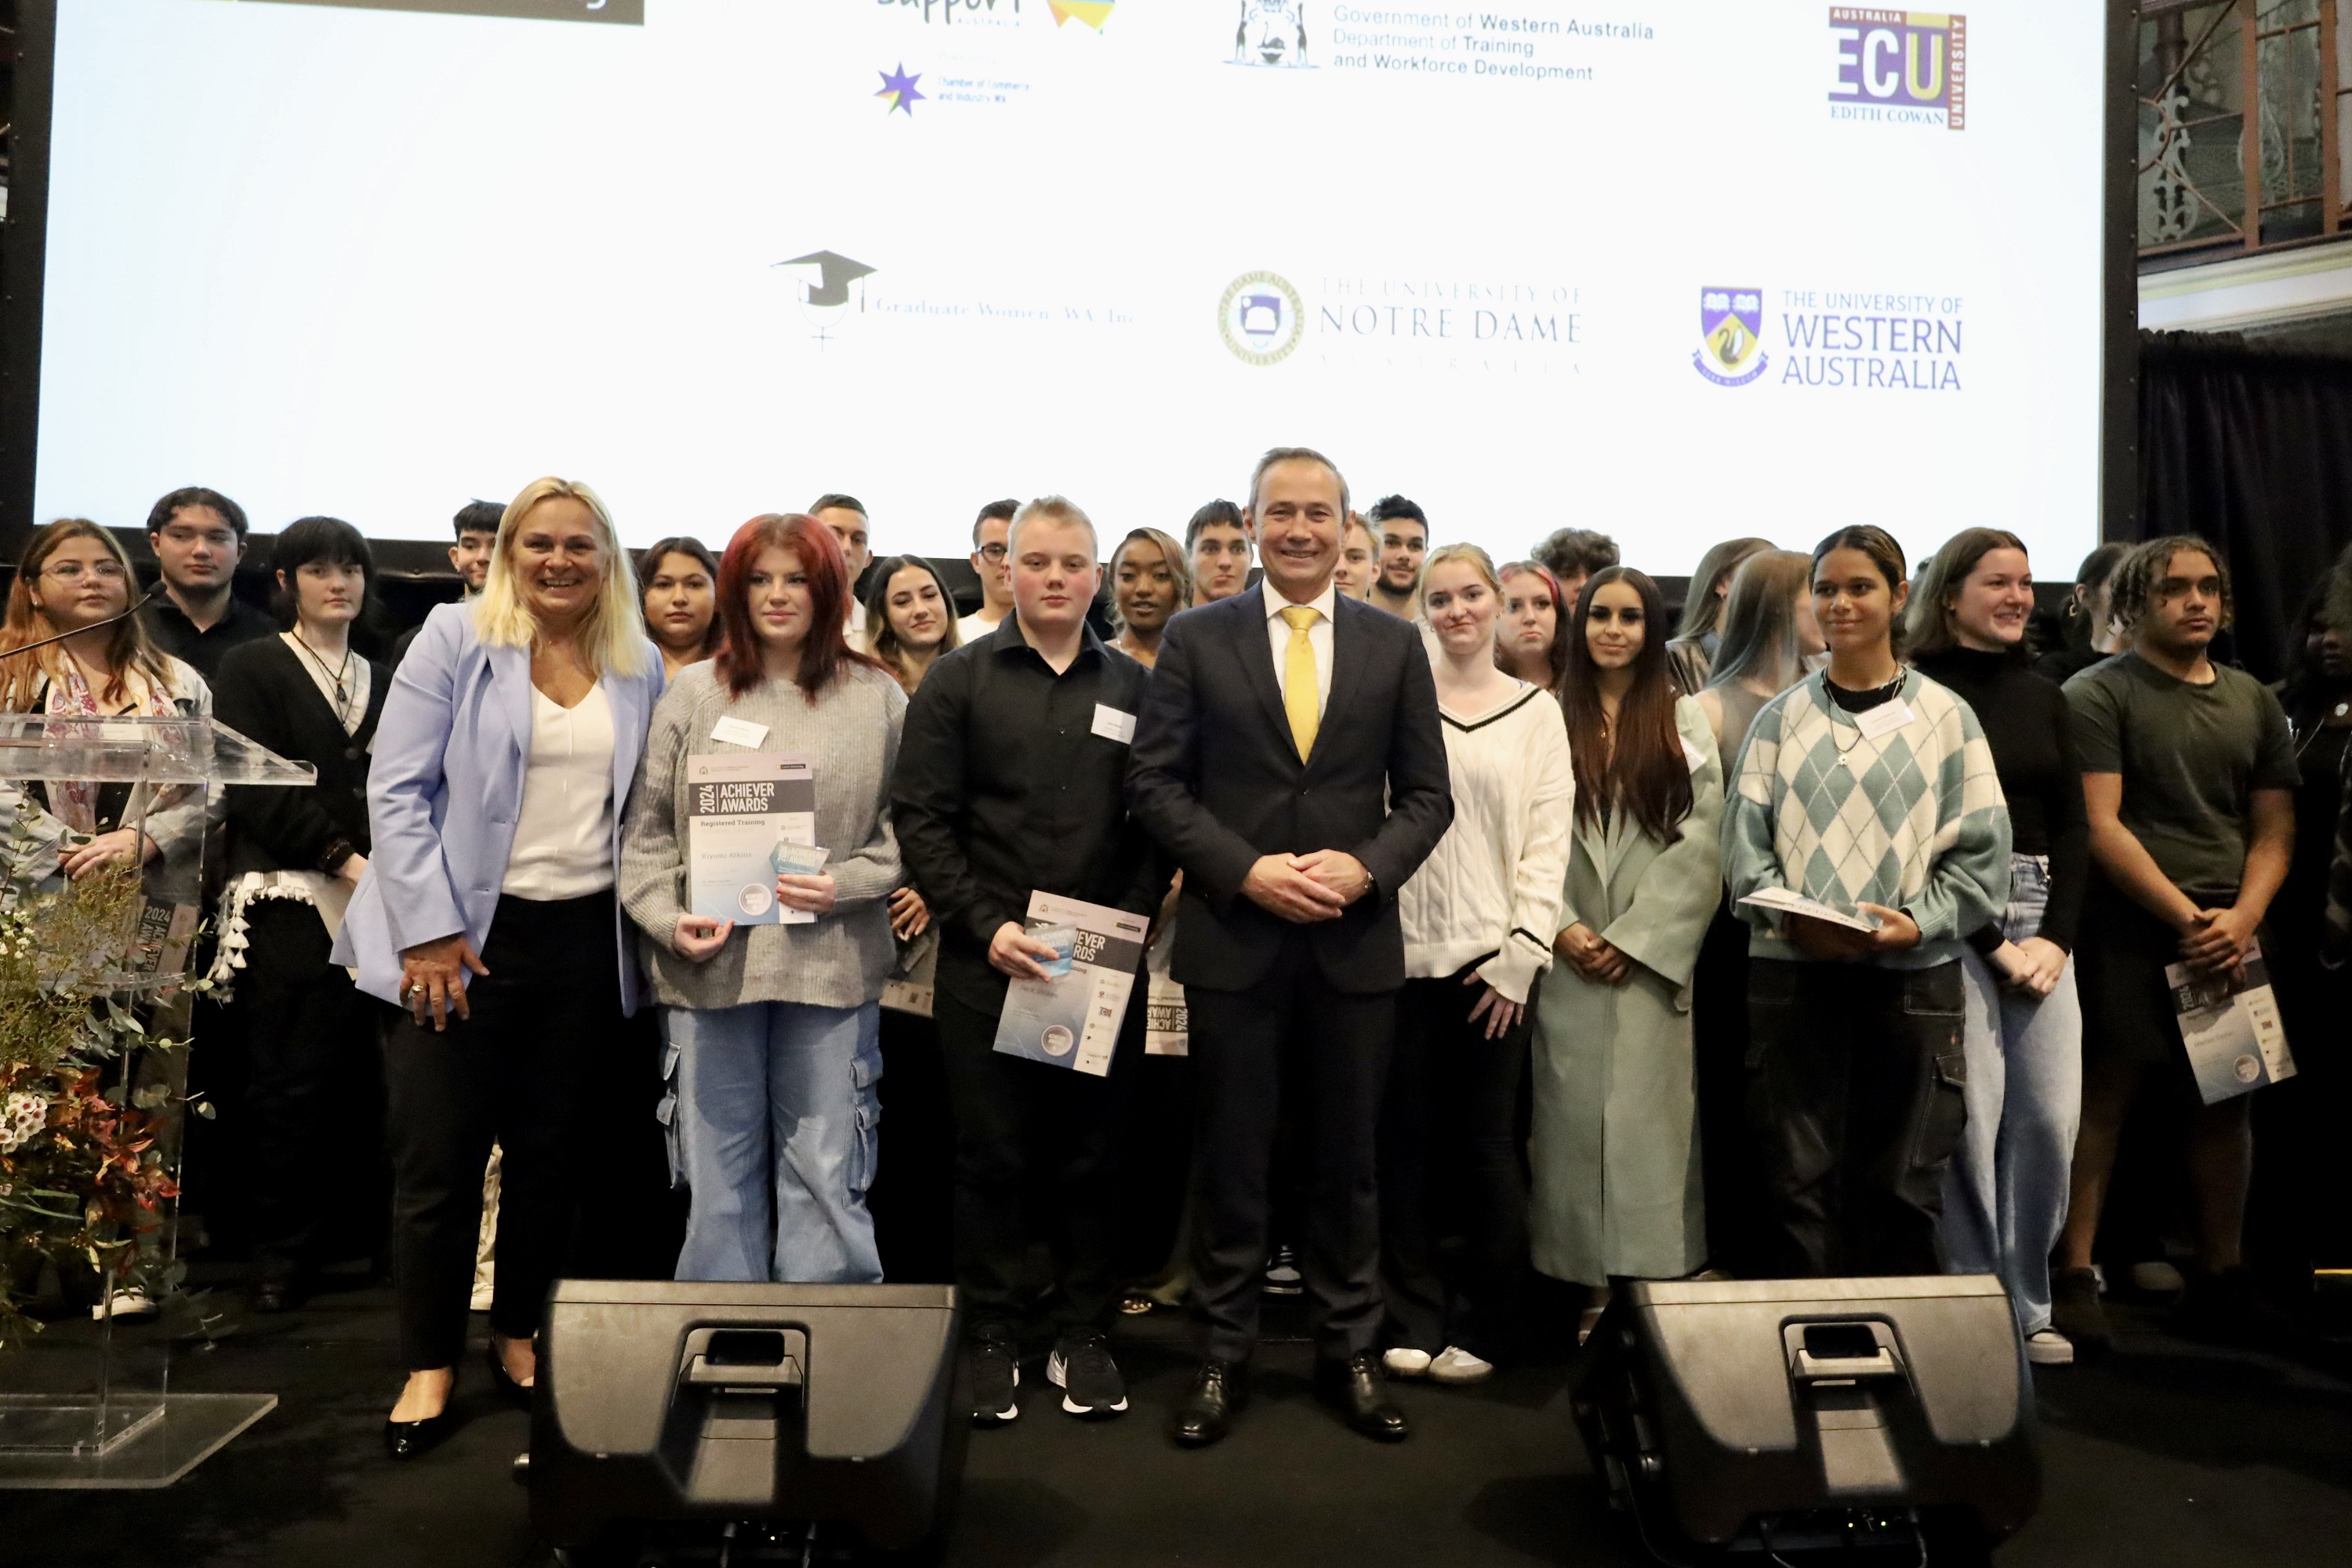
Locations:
1206 1413
1361 1393
269 1296
407 1439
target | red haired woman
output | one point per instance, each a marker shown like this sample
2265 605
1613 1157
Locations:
771 1016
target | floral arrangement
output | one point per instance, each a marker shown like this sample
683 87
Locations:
85 1116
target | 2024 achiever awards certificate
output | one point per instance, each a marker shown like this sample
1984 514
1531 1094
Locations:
743 807
1072 1020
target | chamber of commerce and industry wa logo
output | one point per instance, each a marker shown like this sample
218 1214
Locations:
1907 66
1272 33
1261 318
1731 341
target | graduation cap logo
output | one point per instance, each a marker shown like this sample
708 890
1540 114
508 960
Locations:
826 297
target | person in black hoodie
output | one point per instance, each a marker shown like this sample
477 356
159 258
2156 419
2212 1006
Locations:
2005 1193
312 1096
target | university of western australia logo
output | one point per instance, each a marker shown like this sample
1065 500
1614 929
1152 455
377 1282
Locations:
1731 341
1261 318
1907 66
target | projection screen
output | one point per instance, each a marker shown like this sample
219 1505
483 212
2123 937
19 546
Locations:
1674 269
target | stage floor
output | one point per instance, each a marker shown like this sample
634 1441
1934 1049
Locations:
2169 1454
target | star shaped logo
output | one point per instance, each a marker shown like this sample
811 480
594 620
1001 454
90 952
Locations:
899 89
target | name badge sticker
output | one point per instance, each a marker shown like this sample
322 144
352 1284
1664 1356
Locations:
739 732
1113 725
1882 720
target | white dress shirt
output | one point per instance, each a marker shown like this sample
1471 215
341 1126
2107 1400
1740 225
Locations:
1318 636
564 834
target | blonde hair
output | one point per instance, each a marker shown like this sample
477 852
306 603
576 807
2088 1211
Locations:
1480 562
612 634
1053 509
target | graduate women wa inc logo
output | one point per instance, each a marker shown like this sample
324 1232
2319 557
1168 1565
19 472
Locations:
1261 318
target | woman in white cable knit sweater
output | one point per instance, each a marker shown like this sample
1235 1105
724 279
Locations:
1478 916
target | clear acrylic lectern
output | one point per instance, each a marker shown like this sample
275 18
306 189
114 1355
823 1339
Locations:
97 953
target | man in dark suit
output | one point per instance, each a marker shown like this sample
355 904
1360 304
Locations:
1288 757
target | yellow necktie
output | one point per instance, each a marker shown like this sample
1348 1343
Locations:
1299 695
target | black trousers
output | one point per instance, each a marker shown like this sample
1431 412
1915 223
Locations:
1449 1164
1038 1158
912 1197
1856 1086
548 1069
1337 1046
1738 1217
309 1123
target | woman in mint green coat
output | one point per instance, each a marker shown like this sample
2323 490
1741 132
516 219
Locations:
1615 1152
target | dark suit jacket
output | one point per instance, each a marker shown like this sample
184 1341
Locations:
1215 778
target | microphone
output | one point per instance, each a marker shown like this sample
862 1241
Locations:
110 620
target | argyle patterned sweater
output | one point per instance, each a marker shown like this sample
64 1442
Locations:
1914 819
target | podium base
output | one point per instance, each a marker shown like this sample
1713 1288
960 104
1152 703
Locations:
148 1443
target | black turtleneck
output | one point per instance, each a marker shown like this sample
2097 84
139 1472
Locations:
2027 724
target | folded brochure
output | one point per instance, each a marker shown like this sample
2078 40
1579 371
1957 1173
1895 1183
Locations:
1783 901
752 816
2229 1024
1072 1020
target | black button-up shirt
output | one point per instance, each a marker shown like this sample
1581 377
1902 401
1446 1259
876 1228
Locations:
169 628
1004 787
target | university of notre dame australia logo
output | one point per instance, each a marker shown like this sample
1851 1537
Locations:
1261 318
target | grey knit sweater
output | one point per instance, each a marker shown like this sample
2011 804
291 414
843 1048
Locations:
852 732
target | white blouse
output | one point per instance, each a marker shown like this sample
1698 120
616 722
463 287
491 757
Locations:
563 835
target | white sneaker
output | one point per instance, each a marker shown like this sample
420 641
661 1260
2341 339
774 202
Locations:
126 1304
2048 1347
1454 1364
1404 1362
2158 1278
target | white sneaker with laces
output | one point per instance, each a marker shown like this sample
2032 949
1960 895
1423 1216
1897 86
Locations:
1406 1362
1454 1364
2048 1347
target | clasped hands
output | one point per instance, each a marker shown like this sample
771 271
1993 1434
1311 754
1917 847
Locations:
2216 941
1306 889
1593 955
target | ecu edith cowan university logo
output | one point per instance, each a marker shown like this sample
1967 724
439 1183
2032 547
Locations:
1731 342
1901 67
1261 318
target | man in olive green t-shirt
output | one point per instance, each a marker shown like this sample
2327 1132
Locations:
2188 772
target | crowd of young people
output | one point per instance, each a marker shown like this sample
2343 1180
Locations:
1486 895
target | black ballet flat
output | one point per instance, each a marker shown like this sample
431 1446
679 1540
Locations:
513 1393
407 1439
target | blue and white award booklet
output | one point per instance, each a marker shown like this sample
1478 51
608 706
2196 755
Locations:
2232 1027
1073 1020
751 816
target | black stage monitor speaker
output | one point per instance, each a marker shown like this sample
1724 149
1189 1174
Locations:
662 1402
1780 1415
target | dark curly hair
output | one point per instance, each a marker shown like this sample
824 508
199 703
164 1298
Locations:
2134 581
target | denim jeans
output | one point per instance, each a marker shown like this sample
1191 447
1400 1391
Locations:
2005 1194
775 1123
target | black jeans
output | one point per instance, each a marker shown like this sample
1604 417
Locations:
1336 1045
1026 1132
912 1195
1738 1217
549 1068
1855 1086
313 1093
1449 1165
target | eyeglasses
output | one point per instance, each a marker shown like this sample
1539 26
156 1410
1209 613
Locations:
74 571
992 553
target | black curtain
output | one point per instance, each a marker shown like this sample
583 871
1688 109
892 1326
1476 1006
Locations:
2251 448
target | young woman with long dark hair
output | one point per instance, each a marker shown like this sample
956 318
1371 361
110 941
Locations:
678 583
910 618
1869 789
1690 656
1614 1147
773 1030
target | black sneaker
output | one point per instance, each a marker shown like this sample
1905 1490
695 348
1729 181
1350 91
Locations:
995 1376
1282 1275
2075 1313
1082 1369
